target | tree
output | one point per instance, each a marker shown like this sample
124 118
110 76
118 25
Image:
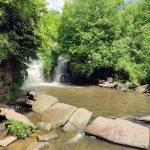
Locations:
106 38
18 40
48 31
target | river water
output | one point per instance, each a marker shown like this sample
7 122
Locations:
102 102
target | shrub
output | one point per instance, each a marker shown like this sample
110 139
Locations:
19 129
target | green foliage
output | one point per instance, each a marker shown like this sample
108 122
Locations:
107 34
18 40
48 31
18 129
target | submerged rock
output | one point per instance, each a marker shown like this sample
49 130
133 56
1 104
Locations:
47 137
12 115
78 121
42 103
8 140
38 146
58 114
45 126
120 131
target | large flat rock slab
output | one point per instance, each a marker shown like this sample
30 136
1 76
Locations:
42 103
78 121
120 131
8 140
12 115
58 114
38 146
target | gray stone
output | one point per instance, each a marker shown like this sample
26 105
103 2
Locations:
121 87
12 115
38 146
108 85
8 140
47 137
78 121
120 131
32 95
110 79
58 114
143 88
45 126
42 103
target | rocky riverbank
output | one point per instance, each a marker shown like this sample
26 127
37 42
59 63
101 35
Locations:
115 85
54 115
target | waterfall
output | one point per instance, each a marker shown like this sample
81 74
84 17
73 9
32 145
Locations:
61 70
35 73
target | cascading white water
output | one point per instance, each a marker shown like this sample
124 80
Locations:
61 70
35 74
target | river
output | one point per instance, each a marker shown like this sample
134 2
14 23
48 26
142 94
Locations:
102 102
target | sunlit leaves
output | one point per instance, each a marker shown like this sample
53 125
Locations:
107 34
48 31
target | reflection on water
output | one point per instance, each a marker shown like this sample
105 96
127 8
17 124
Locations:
102 102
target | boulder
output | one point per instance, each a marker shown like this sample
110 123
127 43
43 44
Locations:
47 137
101 81
8 140
121 87
31 95
120 131
143 89
78 121
45 126
42 103
23 105
58 114
110 79
108 85
12 115
38 146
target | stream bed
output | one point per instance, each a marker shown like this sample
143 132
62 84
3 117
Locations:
102 102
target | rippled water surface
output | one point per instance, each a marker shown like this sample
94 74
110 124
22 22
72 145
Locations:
103 102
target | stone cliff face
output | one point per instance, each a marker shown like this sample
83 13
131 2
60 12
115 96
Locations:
6 69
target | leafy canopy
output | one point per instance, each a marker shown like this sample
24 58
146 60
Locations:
107 36
18 40
48 31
